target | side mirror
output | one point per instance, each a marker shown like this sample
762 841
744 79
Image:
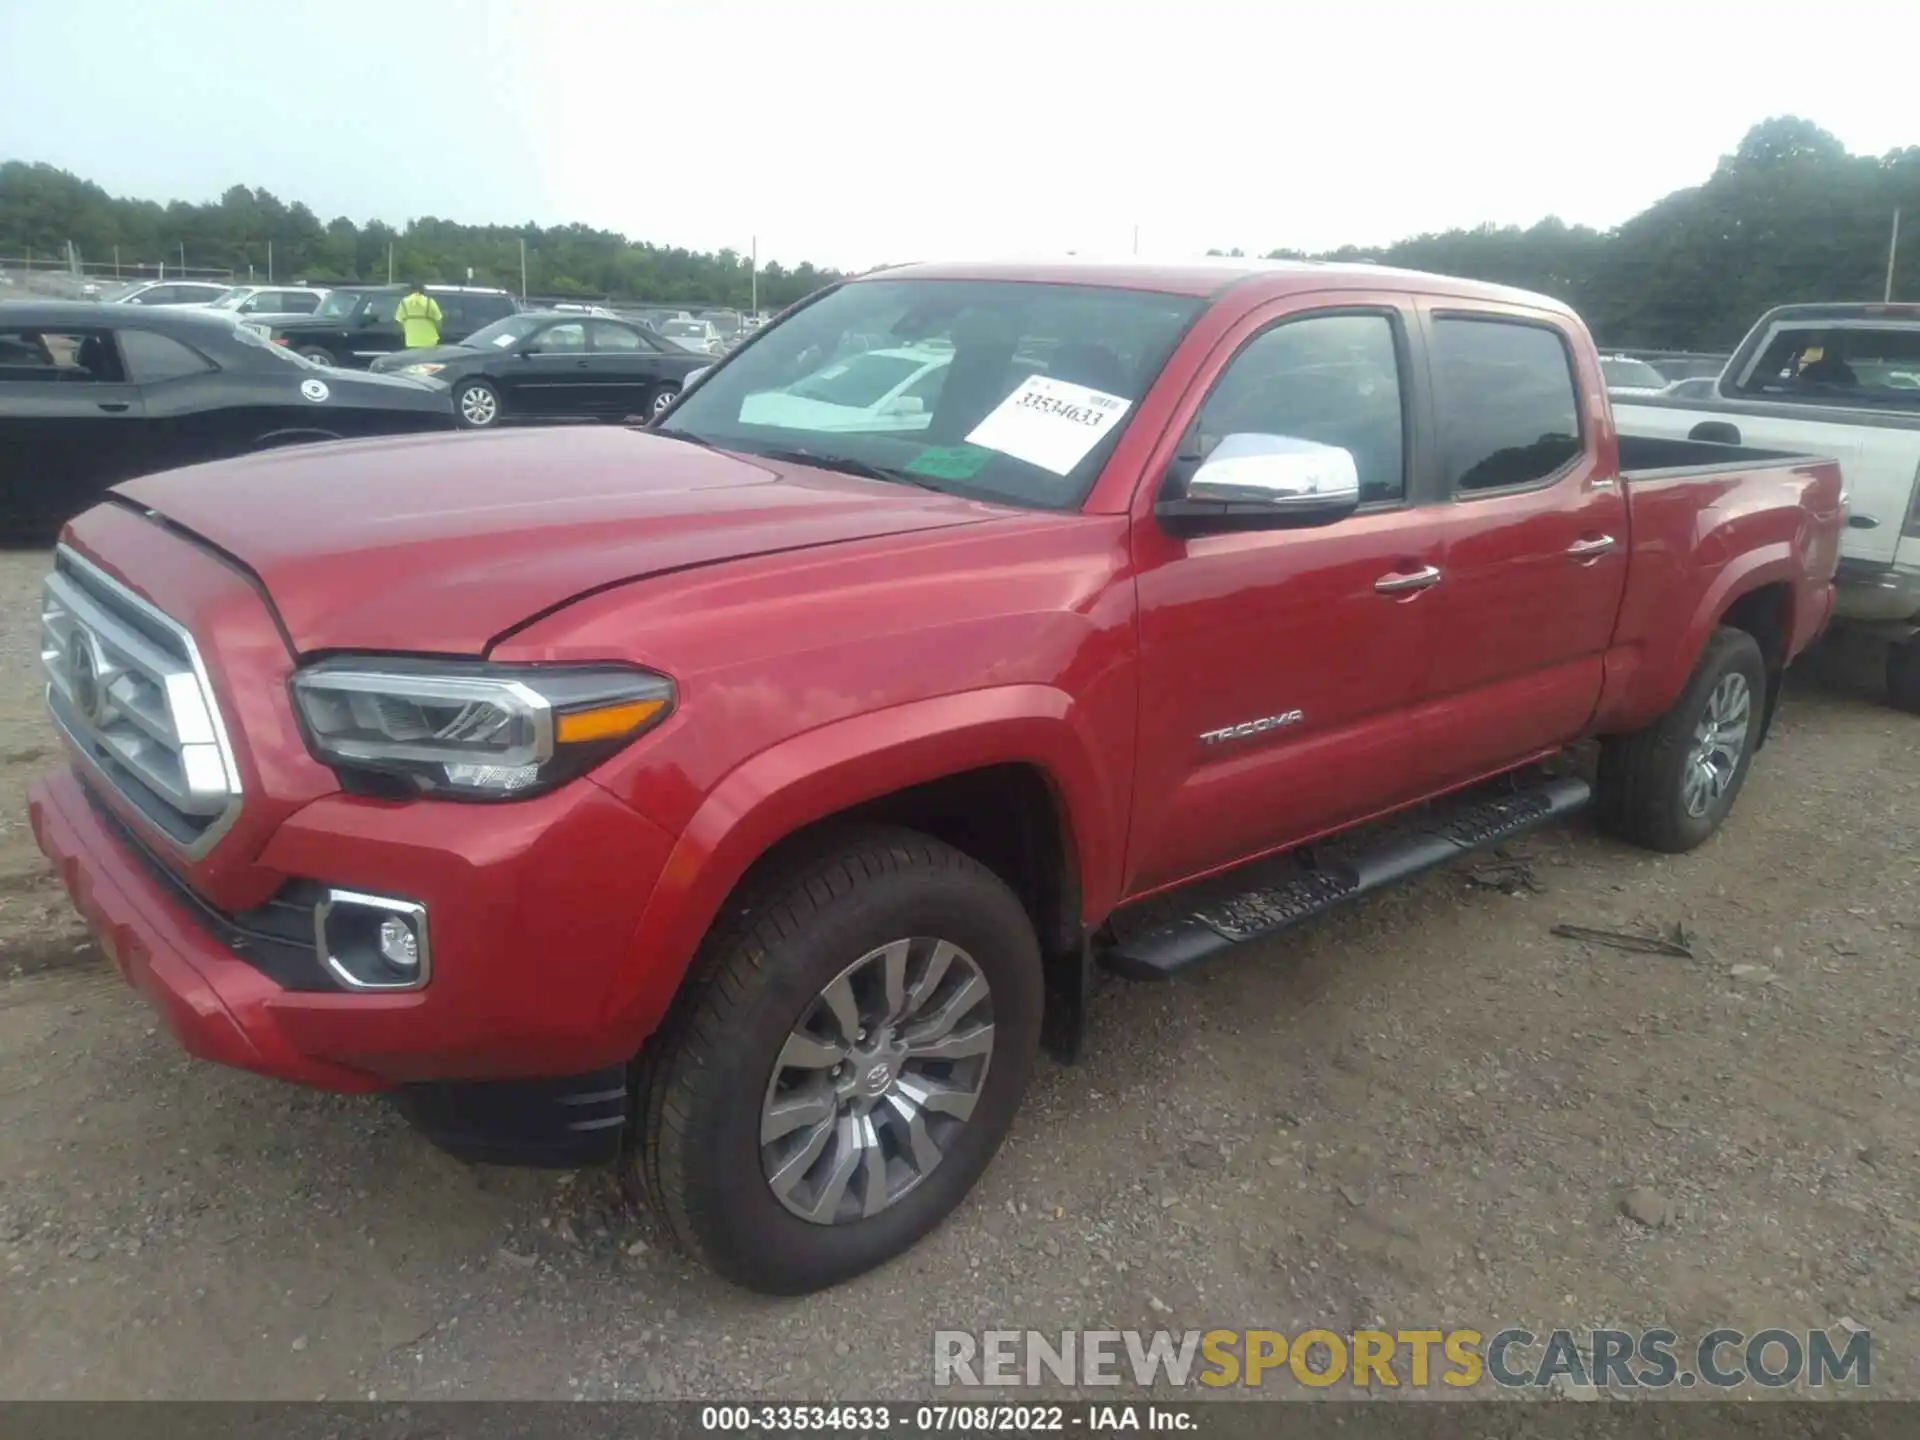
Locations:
1264 482
906 405
693 377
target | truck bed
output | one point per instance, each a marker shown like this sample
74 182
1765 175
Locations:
1652 457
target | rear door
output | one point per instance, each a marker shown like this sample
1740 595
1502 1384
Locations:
625 368
1279 667
1535 540
70 424
374 332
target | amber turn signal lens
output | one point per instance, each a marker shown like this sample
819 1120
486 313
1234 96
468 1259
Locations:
608 723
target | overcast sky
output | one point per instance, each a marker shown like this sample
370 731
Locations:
850 133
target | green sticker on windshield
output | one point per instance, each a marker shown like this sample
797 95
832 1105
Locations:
950 462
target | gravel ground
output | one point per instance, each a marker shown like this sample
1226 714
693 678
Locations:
1423 1112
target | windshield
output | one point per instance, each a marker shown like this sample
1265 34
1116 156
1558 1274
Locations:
1632 374
503 333
1002 390
230 299
862 380
120 292
685 329
339 305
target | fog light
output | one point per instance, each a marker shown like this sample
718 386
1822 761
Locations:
372 942
398 945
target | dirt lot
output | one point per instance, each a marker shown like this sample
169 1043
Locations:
1424 1112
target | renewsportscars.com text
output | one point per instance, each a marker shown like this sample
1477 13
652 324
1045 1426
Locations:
1513 1358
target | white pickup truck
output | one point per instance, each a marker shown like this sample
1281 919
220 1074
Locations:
1841 381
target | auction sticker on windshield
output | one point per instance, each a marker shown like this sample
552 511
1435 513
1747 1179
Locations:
1050 423
950 462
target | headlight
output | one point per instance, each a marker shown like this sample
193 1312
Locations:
474 731
421 369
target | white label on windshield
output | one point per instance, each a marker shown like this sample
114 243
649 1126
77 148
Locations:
1050 423
502 341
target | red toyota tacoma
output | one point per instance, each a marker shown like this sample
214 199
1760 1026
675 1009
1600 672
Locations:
751 797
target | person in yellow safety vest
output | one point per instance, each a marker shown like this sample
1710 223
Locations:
419 317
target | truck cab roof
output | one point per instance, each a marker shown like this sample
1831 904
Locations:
1210 276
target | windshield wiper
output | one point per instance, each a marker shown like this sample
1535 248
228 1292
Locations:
845 465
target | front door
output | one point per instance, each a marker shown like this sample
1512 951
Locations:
1279 667
549 375
70 424
1535 531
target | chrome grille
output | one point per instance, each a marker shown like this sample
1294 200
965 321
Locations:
127 686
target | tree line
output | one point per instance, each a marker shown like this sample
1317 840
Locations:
1789 215
42 209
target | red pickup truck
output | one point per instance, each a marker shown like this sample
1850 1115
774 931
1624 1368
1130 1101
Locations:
751 797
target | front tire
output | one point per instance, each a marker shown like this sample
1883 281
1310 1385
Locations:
477 405
1670 786
1903 676
844 1062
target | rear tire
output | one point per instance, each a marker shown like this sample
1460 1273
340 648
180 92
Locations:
1903 676
1670 786
319 356
739 1058
662 398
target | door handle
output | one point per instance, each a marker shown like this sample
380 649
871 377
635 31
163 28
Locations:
1590 549
1425 578
114 407
579 364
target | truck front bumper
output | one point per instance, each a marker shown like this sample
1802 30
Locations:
533 909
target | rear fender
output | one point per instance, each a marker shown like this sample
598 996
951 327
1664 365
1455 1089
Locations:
1668 663
824 772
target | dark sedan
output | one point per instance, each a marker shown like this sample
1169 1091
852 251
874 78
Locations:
94 394
553 367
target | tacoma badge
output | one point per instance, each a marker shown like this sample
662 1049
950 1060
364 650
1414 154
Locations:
1252 727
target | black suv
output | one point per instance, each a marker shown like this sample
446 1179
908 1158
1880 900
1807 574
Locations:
354 325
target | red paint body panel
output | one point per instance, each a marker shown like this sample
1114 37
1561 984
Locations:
834 640
439 548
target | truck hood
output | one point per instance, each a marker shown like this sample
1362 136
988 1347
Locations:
442 544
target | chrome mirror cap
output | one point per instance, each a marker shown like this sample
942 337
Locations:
1276 472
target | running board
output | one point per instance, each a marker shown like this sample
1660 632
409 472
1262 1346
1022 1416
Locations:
1269 905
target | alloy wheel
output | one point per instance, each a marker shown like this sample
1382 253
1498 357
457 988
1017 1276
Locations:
1719 742
876 1081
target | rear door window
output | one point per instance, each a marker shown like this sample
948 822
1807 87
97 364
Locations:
1508 407
153 358
617 338
483 309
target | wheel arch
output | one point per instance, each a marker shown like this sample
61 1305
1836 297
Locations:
1755 593
1005 776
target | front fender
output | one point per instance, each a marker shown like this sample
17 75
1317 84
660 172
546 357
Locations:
822 772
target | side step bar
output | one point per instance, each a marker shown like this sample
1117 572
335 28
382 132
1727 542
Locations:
1235 917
